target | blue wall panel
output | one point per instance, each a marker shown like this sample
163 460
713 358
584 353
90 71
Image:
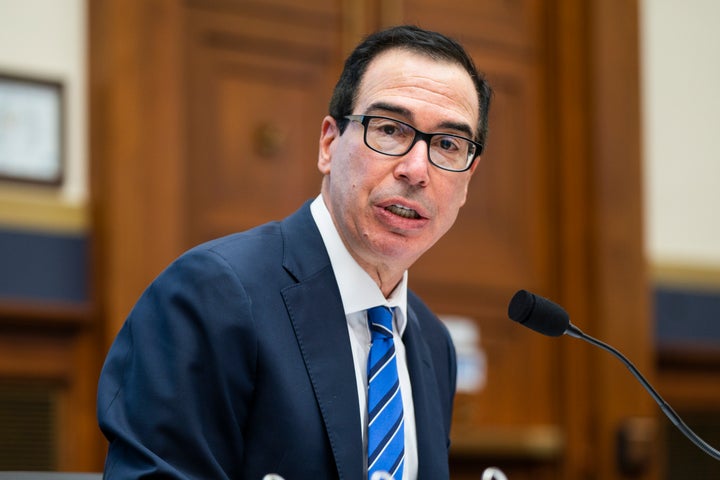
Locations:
687 315
43 266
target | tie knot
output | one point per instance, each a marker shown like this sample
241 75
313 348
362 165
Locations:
380 319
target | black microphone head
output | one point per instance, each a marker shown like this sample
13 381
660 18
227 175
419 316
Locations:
538 313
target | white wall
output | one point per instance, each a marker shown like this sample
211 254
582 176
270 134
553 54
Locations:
681 89
47 39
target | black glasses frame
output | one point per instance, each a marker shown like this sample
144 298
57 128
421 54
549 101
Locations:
364 120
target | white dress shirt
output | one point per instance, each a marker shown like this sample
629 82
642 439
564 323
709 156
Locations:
359 292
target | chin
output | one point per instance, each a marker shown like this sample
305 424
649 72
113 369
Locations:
401 250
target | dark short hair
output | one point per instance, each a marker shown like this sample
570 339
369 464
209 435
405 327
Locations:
415 39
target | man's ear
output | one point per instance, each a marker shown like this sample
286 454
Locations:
329 132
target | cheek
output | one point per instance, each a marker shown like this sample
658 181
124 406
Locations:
460 192
362 174
454 199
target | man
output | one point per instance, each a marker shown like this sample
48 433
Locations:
250 354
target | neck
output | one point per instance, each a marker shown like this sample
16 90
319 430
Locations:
384 276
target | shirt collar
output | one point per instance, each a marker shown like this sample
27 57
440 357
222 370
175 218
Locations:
357 290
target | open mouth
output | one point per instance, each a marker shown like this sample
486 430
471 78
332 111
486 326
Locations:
403 212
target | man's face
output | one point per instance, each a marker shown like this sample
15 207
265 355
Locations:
390 210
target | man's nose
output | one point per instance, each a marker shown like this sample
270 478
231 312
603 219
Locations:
413 167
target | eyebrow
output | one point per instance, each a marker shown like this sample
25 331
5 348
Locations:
382 107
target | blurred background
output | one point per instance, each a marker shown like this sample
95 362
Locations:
131 130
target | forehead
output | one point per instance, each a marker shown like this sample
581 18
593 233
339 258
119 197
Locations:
427 89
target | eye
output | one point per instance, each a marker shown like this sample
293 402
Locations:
388 129
447 144
383 127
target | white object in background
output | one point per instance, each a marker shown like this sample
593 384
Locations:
471 358
493 473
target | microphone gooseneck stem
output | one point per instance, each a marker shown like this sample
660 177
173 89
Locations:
575 332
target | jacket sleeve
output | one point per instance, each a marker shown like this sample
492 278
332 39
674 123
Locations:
177 382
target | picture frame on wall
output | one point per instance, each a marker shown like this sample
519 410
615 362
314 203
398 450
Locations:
31 130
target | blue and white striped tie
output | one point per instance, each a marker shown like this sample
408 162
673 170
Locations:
386 438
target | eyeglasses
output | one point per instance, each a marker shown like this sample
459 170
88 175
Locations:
393 137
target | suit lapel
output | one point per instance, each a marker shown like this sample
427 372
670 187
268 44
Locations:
431 435
317 315
318 319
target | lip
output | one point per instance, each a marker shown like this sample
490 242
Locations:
421 210
399 222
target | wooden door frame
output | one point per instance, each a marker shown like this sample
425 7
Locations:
137 161
603 279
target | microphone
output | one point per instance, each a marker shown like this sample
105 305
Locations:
549 318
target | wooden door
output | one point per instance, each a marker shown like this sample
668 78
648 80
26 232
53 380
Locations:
259 80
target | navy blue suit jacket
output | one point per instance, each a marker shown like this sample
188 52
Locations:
236 362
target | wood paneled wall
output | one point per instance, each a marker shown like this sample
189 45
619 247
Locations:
204 120
50 351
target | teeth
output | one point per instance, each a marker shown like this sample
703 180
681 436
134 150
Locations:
402 211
